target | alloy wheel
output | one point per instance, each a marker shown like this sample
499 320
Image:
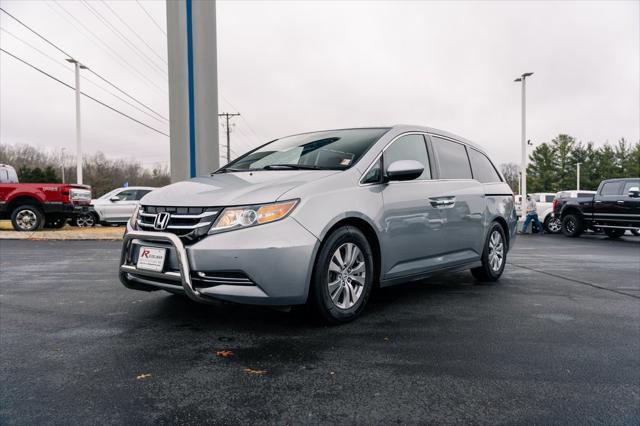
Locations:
85 221
496 251
346 275
26 219
555 225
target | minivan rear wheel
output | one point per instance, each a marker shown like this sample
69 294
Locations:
494 256
343 276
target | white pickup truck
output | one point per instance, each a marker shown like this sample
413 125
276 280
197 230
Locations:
544 203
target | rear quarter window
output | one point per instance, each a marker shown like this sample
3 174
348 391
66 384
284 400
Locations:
482 168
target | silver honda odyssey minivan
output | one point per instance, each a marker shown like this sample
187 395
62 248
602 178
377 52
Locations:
323 218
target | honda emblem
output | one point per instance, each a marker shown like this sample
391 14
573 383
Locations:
162 221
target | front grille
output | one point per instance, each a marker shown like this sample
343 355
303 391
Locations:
189 223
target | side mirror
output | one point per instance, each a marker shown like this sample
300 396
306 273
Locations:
404 170
114 199
634 192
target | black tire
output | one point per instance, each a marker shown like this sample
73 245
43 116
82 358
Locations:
55 221
341 241
552 225
572 225
495 243
614 232
87 220
635 232
27 218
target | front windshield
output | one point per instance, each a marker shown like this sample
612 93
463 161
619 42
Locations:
333 149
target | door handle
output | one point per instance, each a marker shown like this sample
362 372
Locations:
620 202
598 202
442 202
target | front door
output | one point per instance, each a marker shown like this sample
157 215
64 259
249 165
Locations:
631 205
608 204
412 223
122 209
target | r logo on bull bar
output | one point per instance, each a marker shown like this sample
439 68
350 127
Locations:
162 221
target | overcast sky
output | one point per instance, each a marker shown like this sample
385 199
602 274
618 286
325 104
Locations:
290 66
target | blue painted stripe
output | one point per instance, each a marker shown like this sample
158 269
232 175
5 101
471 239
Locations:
192 119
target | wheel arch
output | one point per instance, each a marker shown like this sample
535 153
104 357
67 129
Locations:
22 200
505 228
369 232
570 210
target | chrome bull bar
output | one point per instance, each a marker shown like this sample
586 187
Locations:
181 254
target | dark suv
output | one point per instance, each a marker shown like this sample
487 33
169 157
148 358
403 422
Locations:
614 209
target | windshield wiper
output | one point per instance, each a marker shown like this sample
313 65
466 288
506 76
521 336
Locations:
231 169
293 166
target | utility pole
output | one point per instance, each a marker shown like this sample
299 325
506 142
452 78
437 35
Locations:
78 67
523 179
578 176
227 117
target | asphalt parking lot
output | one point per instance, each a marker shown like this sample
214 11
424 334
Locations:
555 341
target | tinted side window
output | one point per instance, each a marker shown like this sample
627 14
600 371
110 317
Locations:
141 193
610 188
453 160
128 195
549 198
585 194
630 184
482 168
409 147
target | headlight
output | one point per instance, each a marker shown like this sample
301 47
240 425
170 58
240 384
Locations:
133 220
246 216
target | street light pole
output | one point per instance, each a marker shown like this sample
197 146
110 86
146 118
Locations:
78 67
62 162
523 177
578 176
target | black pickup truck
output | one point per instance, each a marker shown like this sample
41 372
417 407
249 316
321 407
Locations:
613 209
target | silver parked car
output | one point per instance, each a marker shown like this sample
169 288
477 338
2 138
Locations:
323 218
113 208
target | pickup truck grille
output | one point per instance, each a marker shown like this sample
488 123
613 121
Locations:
189 223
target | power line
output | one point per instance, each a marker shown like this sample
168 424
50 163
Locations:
125 93
71 56
125 40
33 31
106 47
83 77
84 94
152 50
151 17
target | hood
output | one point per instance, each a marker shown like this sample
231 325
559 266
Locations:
229 189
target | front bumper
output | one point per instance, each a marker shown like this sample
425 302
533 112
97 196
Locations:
266 265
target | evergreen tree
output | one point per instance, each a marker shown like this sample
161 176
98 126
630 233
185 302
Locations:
541 169
564 169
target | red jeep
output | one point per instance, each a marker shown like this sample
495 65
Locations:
32 206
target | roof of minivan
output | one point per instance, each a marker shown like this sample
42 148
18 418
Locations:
401 128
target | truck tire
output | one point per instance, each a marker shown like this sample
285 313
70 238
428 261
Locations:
635 232
552 225
614 232
27 218
572 225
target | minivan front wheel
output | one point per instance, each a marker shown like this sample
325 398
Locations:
343 276
494 256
